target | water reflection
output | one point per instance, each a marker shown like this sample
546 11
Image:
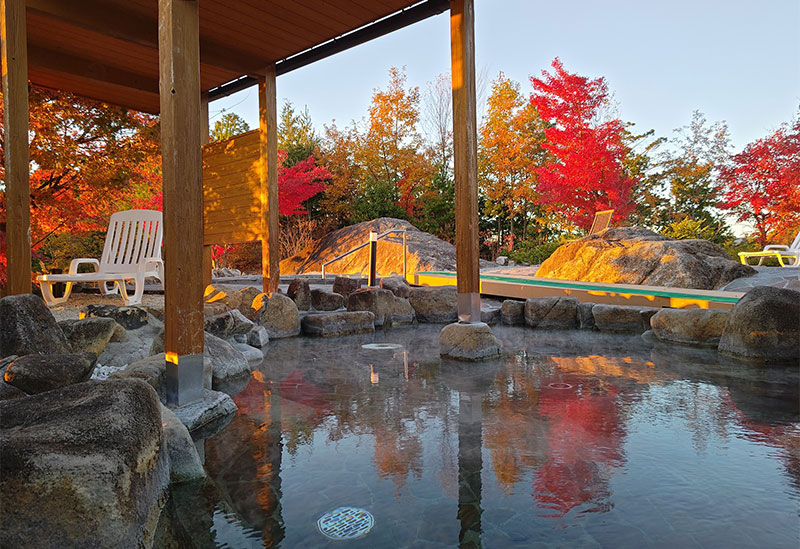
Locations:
598 440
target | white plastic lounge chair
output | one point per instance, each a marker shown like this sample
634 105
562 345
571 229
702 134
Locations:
602 220
132 251
788 256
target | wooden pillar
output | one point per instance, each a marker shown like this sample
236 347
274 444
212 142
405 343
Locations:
15 99
270 229
465 155
205 137
179 65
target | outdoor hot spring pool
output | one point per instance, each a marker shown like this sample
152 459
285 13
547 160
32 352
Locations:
569 440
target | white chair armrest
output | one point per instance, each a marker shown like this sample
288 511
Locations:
73 266
151 262
776 247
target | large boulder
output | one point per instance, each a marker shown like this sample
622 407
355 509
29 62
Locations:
397 285
324 300
9 392
375 300
339 323
226 298
622 319
690 326
184 461
468 341
39 373
130 318
280 317
28 327
136 345
551 312
300 292
437 304
633 255
512 312
402 312
90 335
764 325
83 466
344 285
585 316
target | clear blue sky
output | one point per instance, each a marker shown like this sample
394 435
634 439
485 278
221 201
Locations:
737 61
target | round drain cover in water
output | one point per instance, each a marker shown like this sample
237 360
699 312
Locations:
382 346
346 523
560 386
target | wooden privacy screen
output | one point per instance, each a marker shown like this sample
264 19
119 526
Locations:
232 199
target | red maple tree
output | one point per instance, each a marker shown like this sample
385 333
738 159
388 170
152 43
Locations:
762 183
586 174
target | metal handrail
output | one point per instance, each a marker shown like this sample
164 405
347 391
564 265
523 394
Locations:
403 231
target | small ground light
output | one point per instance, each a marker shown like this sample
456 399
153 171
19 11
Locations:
346 523
560 386
382 346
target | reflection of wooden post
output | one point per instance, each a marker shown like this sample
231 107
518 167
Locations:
179 65
470 464
15 94
205 138
465 155
270 231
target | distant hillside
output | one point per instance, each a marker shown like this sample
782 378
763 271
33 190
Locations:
425 251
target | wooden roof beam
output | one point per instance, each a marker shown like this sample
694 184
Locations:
87 68
112 20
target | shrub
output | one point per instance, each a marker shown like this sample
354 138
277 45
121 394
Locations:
534 252
688 228
58 250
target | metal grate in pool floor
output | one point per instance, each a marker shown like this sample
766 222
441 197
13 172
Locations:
346 523
382 346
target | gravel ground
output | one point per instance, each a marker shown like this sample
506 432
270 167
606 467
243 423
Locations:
71 309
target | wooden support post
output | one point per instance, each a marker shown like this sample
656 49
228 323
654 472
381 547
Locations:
179 65
465 155
270 230
205 137
15 95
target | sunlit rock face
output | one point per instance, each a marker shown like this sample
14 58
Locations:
634 255
83 466
764 325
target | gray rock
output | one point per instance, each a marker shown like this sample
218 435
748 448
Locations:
120 334
184 462
228 324
339 323
90 335
402 312
129 318
247 301
83 466
397 285
135 347
649 336
280 317
501 260
375 300
258 337
27 327
585 316
647 313
39 373
344 285
9 392
690 326
619 318
300 293
764 325
323 300
512 312
633 255
470 342
209 416
490 315
251 354
551 312
436 304
4 362
238 338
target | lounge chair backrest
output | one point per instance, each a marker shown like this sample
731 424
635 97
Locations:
602 220
132 237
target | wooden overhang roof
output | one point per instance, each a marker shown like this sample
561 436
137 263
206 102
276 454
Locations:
108 49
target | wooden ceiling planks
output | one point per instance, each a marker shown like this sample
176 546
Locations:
107 50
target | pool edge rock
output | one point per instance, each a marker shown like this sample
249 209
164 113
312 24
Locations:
468 341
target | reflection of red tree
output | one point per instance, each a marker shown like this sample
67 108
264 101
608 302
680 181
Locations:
585 444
